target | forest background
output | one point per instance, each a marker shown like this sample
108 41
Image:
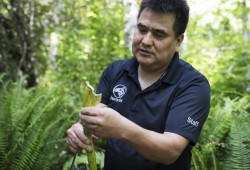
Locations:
50 48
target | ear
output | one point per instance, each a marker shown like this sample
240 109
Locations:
179 40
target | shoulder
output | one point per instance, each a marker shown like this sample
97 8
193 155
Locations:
120 66
182 73
190 74
192 84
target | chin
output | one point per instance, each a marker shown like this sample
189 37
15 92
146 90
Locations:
143 60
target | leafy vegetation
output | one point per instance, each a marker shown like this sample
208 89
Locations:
224 57
33 123
49 49
81 161
224 142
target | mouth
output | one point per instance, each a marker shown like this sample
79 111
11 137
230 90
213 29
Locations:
145 52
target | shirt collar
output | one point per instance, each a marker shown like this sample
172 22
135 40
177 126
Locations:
173 70
132 66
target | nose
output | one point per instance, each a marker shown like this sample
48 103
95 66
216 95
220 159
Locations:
147 39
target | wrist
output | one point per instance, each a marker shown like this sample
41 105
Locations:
129 131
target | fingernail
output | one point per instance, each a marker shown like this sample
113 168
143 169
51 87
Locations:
87 142
88 149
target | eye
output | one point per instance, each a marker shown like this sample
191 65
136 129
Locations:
159 34
142 30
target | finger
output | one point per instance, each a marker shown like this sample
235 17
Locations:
78 133
94 138
74 150
90 120
99 134
90 126
71 133
71 138
71 147
91 111
79 146
76 146
74 142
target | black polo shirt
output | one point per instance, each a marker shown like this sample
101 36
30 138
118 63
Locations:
179 103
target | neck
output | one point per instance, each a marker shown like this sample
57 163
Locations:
148 77
151 72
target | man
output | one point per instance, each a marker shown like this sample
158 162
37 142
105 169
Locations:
154 105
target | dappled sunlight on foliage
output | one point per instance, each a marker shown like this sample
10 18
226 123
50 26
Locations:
49 49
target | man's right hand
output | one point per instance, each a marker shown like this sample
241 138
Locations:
76 140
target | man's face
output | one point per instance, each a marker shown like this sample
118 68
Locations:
154 42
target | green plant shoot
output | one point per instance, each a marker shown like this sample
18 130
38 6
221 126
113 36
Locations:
91 99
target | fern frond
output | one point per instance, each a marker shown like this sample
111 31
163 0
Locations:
41 123
218 124
223 143
5 120
239 157
198 161
40 117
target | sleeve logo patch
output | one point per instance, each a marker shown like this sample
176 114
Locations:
192 122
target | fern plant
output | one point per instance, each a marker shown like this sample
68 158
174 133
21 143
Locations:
33 124
239 141
225 139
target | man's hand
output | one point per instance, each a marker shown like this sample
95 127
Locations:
76 140
107 123
102 122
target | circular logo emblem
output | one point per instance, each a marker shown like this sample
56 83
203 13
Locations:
119 91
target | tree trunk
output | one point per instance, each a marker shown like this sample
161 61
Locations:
131 12
246 35
18 39
245 22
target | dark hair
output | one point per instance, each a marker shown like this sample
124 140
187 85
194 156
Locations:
178 7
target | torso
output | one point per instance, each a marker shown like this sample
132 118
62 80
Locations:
147 100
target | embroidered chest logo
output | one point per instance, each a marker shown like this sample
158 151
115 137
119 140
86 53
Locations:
118 92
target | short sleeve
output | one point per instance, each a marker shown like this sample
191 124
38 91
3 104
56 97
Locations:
104 84
108 76
189 110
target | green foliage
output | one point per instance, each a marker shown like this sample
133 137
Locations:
90 37
82 160
65 43
239 153
222 48
224 142
224 57
33 124
24 24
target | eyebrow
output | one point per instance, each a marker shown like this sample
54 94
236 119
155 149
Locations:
161 31
141 25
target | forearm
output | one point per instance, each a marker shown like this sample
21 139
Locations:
160 147
164 148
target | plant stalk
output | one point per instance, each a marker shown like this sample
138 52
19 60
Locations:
91 99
